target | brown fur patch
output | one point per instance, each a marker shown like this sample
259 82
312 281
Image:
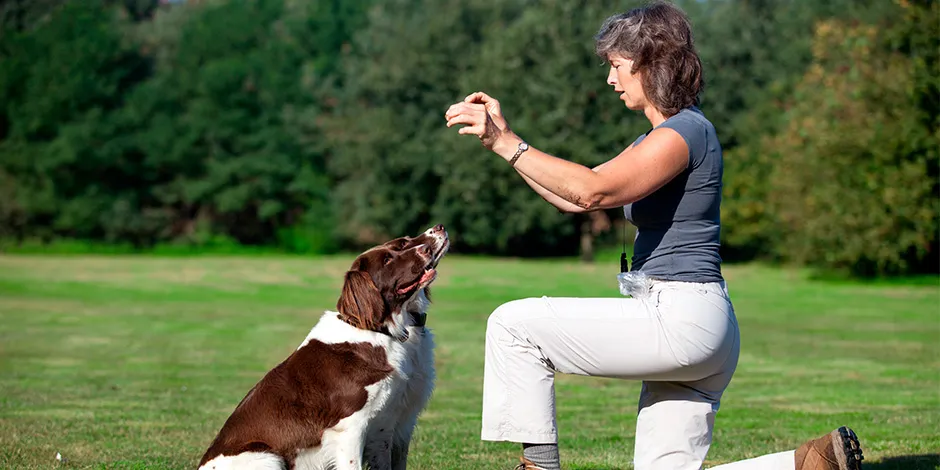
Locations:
360 303
311 391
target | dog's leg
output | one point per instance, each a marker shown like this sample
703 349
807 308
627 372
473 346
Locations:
401 442
378 453
349 451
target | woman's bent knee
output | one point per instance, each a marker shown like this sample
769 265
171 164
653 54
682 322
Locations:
513 312
509 318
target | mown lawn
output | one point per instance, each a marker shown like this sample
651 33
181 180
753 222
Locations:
135 362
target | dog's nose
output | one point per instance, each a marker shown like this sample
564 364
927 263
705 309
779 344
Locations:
438 228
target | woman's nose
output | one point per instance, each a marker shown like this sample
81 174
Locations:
612 77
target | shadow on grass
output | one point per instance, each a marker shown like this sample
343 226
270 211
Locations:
902 462
905 462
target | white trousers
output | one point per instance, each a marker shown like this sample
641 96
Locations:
681 340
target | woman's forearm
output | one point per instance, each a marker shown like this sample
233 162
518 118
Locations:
553 178
552 198
561 178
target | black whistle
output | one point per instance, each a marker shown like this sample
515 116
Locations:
624 267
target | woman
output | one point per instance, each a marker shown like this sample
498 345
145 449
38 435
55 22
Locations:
678 332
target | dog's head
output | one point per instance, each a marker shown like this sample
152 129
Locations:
390 280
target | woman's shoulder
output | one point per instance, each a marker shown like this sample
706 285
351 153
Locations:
691 121
692 115
692 125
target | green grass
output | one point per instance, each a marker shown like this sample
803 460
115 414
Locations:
135 361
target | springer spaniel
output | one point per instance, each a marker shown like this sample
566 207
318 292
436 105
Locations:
351 393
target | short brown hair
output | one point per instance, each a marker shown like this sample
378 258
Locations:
658 38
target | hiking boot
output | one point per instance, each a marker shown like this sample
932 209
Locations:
526 464
838 450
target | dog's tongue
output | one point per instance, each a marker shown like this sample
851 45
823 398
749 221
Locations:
428 275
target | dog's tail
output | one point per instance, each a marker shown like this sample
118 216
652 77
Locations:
246 461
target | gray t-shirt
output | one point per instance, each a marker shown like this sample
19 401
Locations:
678 225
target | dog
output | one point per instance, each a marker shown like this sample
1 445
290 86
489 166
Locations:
352 391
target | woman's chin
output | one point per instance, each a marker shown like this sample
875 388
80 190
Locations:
629 104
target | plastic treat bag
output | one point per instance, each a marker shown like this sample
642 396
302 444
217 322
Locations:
635 284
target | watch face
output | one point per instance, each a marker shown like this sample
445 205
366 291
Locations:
523 146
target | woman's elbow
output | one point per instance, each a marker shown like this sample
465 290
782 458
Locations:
583 198
603 200
592 201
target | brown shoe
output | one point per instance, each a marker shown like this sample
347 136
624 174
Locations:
838 450
526 464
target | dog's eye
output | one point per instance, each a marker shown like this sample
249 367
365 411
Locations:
388 259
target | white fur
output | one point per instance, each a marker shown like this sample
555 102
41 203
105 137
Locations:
245 460
379 434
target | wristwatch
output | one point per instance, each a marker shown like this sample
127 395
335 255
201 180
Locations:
522 148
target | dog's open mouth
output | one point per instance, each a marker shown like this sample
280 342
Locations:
430 271
427 277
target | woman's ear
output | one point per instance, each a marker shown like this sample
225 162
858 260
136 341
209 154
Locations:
360 302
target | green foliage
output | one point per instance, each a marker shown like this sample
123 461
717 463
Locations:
852 179
60 85
21 15
214 122
400 169
313 126
553 91
313 233
386 129
755 53
204 137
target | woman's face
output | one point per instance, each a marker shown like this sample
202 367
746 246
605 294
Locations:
625 82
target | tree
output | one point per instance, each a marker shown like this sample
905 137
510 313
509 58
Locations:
855 185
218 123
400 169
60 83
755 53
20 15
190 124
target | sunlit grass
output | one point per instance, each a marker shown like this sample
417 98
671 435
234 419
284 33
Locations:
135 362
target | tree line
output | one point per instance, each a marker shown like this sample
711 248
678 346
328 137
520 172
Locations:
317 126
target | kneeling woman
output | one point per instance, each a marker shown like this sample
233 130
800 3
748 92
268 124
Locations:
678 332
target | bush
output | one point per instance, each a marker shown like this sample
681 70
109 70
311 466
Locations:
854 182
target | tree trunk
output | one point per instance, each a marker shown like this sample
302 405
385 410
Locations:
594 224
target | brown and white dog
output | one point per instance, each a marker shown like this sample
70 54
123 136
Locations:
351 393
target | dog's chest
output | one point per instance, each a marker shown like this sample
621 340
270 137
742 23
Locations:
417 355
413 380
393 404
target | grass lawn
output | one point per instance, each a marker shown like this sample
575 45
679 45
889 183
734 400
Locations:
135 362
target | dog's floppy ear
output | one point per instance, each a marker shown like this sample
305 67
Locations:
361 302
